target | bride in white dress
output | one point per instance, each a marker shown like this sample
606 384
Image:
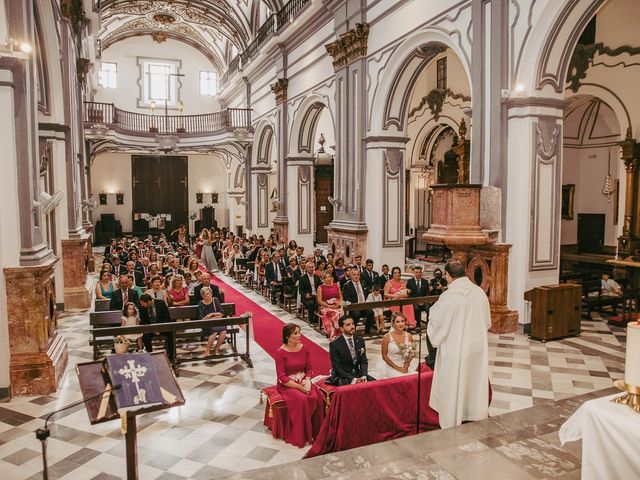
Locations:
393 344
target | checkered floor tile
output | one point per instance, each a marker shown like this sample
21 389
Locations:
219 431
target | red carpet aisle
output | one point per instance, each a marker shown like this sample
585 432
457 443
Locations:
267 328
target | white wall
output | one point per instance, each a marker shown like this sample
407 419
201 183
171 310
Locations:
587 168
111 172
128 89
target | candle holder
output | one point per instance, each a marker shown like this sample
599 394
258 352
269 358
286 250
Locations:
632 396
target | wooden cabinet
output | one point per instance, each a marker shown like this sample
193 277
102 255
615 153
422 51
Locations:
555 311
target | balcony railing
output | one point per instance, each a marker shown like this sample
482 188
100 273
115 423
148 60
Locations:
275 23
203 124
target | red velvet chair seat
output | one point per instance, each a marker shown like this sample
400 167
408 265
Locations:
275 412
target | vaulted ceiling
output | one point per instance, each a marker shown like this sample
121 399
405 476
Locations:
211 26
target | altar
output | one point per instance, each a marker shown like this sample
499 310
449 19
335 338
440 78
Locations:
609 433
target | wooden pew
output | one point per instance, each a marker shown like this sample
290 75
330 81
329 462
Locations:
102 305
173 327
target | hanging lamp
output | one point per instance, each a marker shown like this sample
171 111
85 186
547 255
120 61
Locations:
607 187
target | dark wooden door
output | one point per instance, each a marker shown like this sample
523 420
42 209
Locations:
324 210
160 187
590 232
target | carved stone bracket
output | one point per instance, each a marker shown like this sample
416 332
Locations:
583 56
280 90
83 65
350 46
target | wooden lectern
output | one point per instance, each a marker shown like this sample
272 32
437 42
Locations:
555 311
93 382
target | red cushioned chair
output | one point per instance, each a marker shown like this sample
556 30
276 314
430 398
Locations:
275 412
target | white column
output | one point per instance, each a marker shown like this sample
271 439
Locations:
300 206
9 215
533 199
385 212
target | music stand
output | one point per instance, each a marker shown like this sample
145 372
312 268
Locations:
93 381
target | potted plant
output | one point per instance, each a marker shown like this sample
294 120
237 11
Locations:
121 344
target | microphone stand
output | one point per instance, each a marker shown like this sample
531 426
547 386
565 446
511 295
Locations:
43 433
419 372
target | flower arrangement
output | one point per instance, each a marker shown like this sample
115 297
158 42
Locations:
120 339
407 350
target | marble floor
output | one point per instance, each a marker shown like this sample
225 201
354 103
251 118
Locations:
219 432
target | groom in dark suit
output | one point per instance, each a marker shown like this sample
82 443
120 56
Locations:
349 362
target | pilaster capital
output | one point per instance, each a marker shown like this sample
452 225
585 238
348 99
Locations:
350 46
280 90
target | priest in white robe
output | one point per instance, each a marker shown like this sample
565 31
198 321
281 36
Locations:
458 324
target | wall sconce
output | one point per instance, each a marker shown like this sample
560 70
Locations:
199 197
103 198
119 198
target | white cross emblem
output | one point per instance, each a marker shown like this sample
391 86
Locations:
134 373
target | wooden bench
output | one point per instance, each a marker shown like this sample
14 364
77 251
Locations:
190 313
99 320
171 329
592 298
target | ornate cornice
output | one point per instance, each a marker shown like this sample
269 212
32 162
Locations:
83 65
280 90
350 46
583 56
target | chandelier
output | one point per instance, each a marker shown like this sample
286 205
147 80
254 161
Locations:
607 187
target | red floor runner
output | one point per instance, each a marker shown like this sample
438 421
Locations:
267 328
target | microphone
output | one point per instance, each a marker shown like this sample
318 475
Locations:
43 433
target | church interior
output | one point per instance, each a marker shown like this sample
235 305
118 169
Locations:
200 143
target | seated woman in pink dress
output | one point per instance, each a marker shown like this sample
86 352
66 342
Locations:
329 298
396 289
305 405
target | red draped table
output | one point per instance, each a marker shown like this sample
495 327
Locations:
372 412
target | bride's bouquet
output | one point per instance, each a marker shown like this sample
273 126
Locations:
407 350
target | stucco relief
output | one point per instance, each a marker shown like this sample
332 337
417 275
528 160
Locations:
546 191
393 198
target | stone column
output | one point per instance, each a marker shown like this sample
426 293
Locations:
75 259
281 221
534 194
385 201
629 241
349 61
37 355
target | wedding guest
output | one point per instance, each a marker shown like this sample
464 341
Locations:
610 287
418 287
123 294
155 290
137 289
349 363
385 276
291 251
397 348
369 275
274 272
193 266
178 292
305 405
438 284
308 286
130 318
378 313
154 311
136 275
206 254
339 267
210 307
356 291
396 289
104 286
458 324
330 299
205 281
